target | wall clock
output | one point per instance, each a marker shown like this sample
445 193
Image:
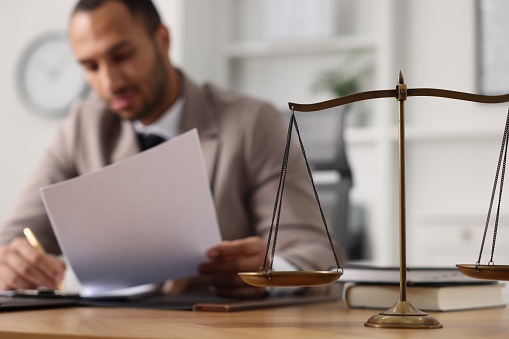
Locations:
49 78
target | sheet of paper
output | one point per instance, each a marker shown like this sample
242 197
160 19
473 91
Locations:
141 220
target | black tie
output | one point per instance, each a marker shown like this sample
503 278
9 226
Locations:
149 141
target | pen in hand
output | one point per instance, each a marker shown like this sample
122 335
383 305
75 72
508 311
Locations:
30 236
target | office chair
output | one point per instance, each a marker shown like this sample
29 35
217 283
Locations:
323 138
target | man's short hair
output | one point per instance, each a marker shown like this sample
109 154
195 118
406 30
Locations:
144 9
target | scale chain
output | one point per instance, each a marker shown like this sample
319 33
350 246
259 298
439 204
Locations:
501 162
279 197
502 176
316 193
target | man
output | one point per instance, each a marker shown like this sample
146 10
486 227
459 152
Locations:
123 48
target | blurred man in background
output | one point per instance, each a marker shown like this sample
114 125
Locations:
142 100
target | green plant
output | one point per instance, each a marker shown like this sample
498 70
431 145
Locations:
345 79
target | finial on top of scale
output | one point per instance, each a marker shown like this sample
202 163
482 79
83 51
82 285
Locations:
401 79
401 88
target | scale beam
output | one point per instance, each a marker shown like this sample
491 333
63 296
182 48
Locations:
392 93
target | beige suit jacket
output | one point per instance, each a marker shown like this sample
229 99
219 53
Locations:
243 143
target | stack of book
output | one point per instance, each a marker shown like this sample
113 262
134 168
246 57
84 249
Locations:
428 289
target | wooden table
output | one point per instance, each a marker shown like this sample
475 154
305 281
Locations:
322 320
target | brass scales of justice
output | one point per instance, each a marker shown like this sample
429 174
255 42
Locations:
402 314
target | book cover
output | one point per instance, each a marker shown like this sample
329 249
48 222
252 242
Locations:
414 275
432 297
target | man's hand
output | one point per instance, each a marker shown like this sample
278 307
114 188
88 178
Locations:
23 266
229 258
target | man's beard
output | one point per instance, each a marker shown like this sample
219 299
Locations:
159 86
158 81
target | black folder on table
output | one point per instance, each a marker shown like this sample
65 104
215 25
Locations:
196 302
16 303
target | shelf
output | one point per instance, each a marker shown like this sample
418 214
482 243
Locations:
444 134
360 135
366 135
299 47
369 135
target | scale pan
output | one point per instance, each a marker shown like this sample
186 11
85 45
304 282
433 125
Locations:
290 278
488 272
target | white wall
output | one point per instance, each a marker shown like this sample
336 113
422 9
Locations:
440 51
451 168
23 134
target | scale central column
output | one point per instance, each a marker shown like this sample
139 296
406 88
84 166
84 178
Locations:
402 94
403 314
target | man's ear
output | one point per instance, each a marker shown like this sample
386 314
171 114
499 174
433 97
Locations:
163 38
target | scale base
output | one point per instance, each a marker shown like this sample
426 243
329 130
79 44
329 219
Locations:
403 315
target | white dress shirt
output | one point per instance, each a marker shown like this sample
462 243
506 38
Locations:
167 126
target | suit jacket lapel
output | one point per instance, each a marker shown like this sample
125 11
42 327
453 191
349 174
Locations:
127 142
199 113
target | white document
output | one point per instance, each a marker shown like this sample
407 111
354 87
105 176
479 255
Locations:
142 220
